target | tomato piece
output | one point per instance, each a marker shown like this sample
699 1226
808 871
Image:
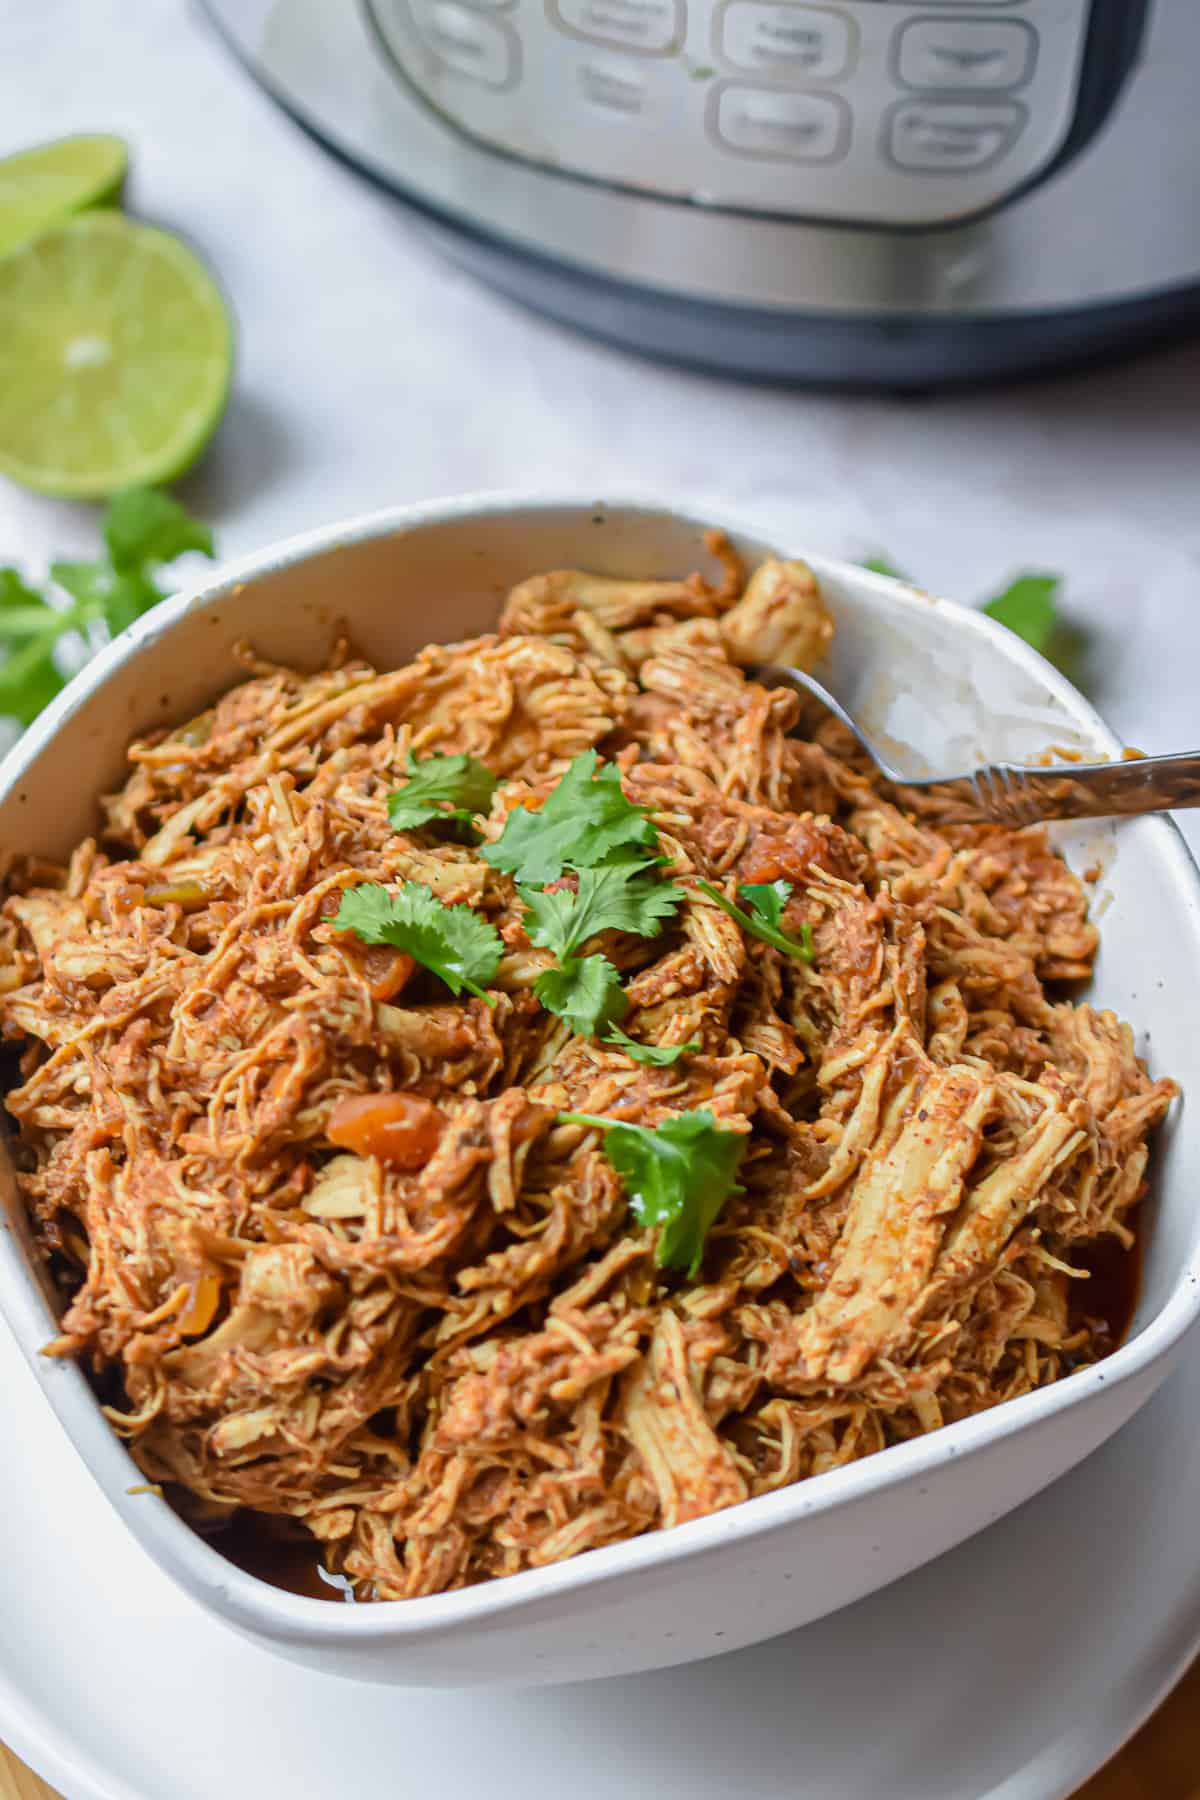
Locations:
771 858
385 970
799 850
776 856
400 1129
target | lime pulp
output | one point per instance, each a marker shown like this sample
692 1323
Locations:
116 351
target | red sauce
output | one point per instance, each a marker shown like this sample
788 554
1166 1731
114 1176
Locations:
285 1555
276 1551
1110 1295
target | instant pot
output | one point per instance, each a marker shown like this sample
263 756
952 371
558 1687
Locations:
860 192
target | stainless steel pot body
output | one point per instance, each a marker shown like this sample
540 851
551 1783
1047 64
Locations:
867 191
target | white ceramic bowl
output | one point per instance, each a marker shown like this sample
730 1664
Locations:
920 671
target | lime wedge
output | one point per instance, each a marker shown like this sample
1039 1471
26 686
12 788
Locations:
115 356
40 186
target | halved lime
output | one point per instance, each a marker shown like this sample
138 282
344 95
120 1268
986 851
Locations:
40 186
115 356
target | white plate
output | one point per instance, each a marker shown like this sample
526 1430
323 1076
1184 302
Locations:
1010 1669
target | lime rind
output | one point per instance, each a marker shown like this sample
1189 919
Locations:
41 186
116 355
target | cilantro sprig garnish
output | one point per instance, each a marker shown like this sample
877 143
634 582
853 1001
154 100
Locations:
453 941
583 821
621 896
761 915
883 565
586 991
143 531
655 1056
590 833
449 789
677 1176
1028 606
617 896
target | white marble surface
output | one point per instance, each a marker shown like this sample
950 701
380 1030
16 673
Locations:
370 371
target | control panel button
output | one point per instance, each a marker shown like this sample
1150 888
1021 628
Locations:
965 53
952 135
613 90
809 128
479 48
794 40
651 26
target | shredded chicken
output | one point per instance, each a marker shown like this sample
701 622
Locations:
472 1364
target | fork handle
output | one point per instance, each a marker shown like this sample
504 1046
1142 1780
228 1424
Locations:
1013 794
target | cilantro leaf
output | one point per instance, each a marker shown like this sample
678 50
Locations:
441 787
583 821
26 613
589 826
619 896
656 1056
677 1176
586 991
19 624
30 627
1027 606
766 900
764 908
16 592
145 527
116 599
453 941
882 565
29 679
624 896
142 529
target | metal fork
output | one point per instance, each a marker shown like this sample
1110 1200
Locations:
1013 793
